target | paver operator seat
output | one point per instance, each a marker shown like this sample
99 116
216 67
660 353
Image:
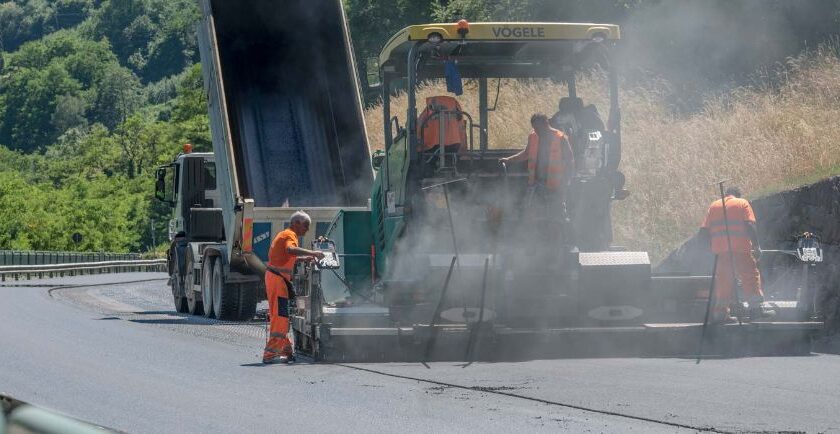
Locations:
442 120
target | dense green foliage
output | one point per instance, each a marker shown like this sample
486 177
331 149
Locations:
94 94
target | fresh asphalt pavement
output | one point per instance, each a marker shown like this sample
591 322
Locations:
109 349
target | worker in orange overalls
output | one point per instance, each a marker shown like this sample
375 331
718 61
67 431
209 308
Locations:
550 166
744 254
282 255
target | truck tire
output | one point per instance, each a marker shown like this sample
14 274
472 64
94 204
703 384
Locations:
178 297
225 297
194 304
176 281
180 303
247 301
207 267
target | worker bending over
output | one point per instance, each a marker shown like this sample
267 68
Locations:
282 255
744 254
550 166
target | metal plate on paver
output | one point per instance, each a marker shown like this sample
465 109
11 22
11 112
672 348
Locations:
595 259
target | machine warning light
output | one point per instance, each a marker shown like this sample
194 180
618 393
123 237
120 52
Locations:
463 28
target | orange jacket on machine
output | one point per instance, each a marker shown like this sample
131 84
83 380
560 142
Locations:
559 145
277 294
739 214
455 130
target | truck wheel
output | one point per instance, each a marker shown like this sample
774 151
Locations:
247 301
225 297
176 280
178 293
194 305
207 285
180 303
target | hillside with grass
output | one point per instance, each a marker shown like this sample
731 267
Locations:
763 137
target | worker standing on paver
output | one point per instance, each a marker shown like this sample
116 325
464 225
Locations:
550 165
741 250
282 255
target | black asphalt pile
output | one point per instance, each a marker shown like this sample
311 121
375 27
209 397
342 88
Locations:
781 218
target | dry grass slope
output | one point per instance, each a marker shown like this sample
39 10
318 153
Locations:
763 139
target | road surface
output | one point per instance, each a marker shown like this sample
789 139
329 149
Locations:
110 350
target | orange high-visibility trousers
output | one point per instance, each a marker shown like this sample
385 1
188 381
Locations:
277 293
746 270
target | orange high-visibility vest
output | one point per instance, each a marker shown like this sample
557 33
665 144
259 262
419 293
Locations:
278 257
554 177
739 214
455 129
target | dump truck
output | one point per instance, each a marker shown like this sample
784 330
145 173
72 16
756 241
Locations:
288 133
449 262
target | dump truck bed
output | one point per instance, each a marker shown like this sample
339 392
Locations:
286 115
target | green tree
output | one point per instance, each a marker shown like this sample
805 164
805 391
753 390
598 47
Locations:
69 113
24 20
156 38
118 95
28 104
189 112
50 84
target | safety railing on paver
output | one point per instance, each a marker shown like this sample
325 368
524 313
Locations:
17 272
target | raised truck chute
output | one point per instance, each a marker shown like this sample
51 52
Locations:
288 134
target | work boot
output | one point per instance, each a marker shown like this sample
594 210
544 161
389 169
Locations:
722 316
759 309
762 311
739 310
284 356
281 359
722 319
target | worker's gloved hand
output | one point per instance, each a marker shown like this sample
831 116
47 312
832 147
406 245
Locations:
757 253
319 255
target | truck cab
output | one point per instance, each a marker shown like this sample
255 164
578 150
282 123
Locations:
188 184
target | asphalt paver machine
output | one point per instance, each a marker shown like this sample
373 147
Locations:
451 261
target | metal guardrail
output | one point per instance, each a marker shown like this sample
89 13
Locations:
15 257
17 272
